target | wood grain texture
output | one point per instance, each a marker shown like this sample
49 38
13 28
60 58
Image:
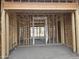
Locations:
40 6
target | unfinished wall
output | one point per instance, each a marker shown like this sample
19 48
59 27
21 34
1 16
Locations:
68 30
52 29
12 31
23 29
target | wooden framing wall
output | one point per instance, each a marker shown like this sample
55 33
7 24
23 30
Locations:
9 28
9 34
68 30
53 21
52 30
12 32
25 22
24 29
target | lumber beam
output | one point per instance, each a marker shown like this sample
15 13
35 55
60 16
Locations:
62 29
39 6
73 32
3 33
77 28
7 33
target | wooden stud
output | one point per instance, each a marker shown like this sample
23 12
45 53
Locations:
77 28
73 32
46 29
57 29
54 27
3 33
7 32
33 32
62 29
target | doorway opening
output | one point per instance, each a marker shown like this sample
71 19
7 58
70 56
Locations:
38 30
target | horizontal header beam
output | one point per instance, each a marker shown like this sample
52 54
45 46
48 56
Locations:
39 6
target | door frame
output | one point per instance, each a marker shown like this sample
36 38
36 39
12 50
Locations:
46 27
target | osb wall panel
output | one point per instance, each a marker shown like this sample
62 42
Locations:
68 30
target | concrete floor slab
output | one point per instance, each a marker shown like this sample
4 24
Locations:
43 52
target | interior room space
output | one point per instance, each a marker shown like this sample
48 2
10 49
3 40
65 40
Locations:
37 28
